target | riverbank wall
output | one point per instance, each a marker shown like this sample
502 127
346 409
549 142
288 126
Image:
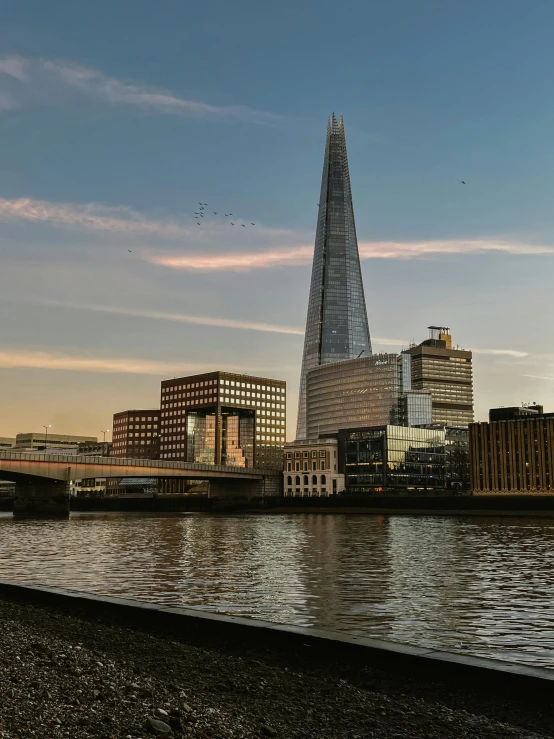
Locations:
439 505
436 505
83 666
210 628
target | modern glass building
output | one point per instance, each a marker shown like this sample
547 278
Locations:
369 391
223 418
447 374
336 325
393 458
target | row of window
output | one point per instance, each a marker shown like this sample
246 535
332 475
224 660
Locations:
322 466
306 454
323 479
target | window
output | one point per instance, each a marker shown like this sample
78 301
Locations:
305 479
297 480
297 466
323 480
289 466
322 465
289 480
314 479
322 452
314 453
305 455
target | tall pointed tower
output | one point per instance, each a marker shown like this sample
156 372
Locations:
336 326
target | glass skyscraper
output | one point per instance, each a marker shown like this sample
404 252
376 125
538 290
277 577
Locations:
336 326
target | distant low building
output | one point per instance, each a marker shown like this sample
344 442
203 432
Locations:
38 441
513 454
311 468
6 442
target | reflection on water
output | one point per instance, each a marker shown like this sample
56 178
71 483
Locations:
482 585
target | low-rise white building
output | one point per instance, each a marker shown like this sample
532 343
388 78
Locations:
311 468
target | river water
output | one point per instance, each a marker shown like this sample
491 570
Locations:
484 586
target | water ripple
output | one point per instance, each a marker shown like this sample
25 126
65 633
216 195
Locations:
484 586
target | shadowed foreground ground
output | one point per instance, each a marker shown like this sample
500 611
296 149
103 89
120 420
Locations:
65 674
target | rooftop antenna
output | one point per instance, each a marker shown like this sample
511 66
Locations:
360 354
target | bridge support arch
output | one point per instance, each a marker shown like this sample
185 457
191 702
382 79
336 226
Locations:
41 498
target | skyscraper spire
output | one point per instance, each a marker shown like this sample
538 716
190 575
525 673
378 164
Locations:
336 326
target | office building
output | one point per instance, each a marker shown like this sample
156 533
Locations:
40 441
336 324
136 434
447 374
513 457
368 391
6 442
515 413
311 468
403 460
223 418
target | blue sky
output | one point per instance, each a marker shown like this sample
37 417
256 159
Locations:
117 119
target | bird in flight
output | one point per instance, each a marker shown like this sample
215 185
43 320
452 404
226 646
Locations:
129 250
243 225
226 214
462 182
252 224
232 224
215 213
198 224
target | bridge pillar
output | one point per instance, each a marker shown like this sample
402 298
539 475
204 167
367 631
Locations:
49 498
235 488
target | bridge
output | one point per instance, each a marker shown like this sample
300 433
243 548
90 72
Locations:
42 480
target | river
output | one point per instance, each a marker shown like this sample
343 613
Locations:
482 586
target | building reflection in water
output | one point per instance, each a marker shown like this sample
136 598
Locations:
484 583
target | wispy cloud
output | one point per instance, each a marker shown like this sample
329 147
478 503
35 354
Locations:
271 247
91 217
516 353
548 378
46 360
298 255
184 318
46 81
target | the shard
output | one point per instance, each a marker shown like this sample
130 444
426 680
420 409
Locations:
336 326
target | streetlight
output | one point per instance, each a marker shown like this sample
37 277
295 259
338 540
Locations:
46 429
107 431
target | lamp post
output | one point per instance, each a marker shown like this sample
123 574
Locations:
46 437
107 431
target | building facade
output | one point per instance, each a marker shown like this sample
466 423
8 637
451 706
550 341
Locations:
311 468
34 441
135 434
447 374
367 391
403 460
6 442
336 325
513 457
223 418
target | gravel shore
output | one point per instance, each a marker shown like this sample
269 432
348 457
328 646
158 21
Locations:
66 675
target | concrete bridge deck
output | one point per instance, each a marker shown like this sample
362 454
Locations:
42 480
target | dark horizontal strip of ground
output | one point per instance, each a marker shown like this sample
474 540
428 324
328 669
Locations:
261 680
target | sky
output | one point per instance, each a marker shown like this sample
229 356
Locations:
118 119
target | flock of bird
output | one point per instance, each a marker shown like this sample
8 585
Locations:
200 214
202 206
